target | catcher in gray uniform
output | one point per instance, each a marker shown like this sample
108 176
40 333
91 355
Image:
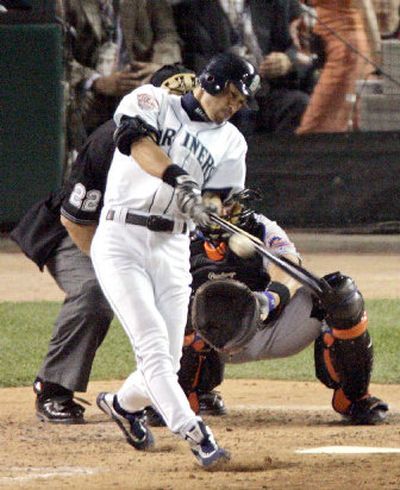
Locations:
247 310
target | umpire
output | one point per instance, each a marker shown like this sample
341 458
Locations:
85 316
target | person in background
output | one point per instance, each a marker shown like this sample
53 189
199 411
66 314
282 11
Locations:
350 33
260 31
110 48
388 17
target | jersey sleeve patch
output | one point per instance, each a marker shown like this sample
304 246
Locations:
147 102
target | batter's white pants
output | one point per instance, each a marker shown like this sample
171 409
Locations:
145 277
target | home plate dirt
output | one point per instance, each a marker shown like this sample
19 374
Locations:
267 424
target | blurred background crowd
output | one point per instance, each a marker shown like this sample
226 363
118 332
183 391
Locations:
326 65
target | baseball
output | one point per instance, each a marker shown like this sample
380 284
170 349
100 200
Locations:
241 246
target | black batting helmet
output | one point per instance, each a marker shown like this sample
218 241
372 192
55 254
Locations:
228 67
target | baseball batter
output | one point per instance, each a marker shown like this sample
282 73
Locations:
169 149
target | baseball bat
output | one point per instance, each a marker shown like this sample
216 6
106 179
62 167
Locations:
313 283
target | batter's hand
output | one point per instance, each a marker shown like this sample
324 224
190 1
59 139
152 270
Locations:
190 202
275 65
117 84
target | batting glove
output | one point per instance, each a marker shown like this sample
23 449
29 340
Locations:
189 200
188 195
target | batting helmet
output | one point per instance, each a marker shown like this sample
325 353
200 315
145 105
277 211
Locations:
225 313
227 68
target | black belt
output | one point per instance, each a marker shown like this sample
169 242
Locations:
153 222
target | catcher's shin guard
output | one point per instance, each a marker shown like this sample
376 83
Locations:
201 369
343 362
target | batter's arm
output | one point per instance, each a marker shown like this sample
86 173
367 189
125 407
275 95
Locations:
150 156
81 235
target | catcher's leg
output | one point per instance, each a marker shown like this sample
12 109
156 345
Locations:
344 355
201 371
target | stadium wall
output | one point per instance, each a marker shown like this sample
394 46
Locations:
346 181
30 116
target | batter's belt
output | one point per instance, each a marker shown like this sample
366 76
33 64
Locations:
153 222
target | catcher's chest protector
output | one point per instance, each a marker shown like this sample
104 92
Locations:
250 272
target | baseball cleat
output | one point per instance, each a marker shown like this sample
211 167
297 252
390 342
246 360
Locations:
368 411
132 425
202 444
211 403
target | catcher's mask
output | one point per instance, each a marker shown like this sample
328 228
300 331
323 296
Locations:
236 211
225 313
176 78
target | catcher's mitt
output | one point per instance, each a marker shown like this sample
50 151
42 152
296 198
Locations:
225 313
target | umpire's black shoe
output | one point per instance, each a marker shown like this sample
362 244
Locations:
211 403
55 404
59 410
153 418
368 411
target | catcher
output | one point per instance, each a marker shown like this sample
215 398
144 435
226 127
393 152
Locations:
248 309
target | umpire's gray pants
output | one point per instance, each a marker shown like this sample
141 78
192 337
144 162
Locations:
82 323
292 332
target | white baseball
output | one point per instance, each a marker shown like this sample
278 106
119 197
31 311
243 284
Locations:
241 245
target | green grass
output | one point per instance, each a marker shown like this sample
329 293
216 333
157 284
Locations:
25 330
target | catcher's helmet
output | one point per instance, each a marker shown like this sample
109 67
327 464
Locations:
176 78
236 211
228 67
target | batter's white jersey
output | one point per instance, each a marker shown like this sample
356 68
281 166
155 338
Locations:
214 154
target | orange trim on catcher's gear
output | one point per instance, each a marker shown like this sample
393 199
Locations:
215 253
193 396
353 332
194 402
190 340
328 339
340 402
